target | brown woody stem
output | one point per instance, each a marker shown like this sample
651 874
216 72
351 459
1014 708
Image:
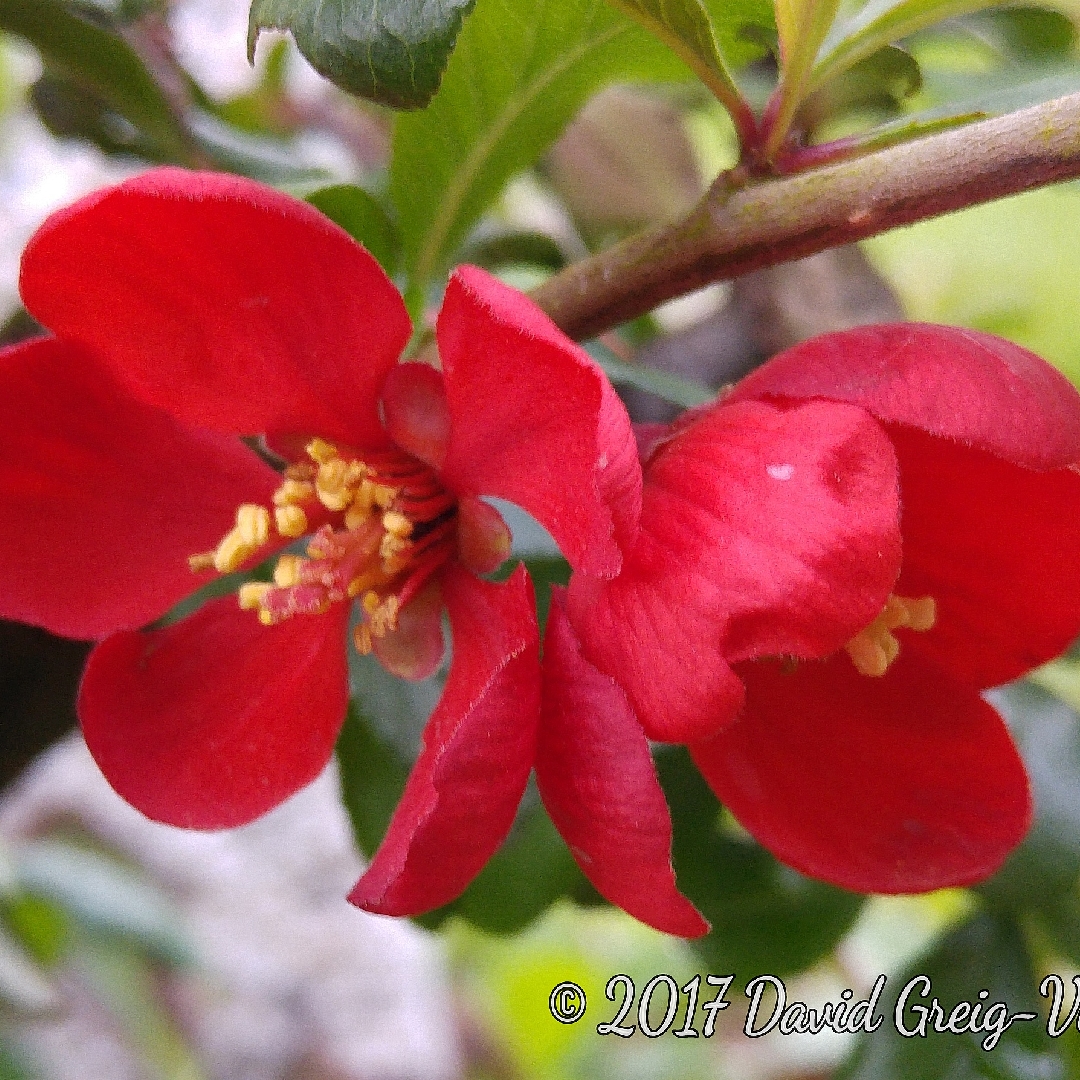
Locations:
736 229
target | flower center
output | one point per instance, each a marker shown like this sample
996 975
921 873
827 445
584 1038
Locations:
388 526
872 650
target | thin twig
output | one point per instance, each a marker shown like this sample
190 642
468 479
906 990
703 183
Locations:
738 229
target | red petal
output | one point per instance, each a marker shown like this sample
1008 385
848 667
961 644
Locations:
215 720
961 384
479 747
226 303
105 498
903 783
996 546
416 415
535 421
764 532
415 649
597 780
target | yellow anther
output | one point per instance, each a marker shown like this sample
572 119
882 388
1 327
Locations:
385 619
253 524
382 496
358 514
252 593
266 618
205 561
291 521
287 571
362 639
390 549
232 553
300 470
321 451
397 524
873 649
294 492
381 613
367 581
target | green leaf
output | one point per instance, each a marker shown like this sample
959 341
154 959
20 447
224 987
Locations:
83 51
880 23
882 80
519 74
743 27
373 777
765 916
686 27
531 870
393 52
802 25
663 384
1039 880
362 216
986 953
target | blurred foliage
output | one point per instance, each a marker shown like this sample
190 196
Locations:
981 268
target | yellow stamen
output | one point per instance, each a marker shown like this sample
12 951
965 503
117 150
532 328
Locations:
287 571
253 524
294 492
390 548
396 524
362 639
873 649
368 580
205 561
291 521
321 451
251 594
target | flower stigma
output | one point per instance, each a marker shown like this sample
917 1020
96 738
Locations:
386 525
873 649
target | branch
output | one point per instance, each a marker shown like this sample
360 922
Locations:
737 229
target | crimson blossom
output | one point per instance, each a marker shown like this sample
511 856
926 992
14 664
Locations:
832 562
190 309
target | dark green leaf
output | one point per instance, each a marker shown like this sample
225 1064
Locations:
392 52
514 248
745 29
881 81
70 111
364 219
987 953
83 51
373 777
663 384
1039 880
880 23
519 74
523 879
765 917
686 27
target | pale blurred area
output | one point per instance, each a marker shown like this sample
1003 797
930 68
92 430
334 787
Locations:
272 976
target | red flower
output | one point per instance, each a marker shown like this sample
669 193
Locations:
191 309
823 665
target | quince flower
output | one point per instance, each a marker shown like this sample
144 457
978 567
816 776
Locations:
832 562
190 309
